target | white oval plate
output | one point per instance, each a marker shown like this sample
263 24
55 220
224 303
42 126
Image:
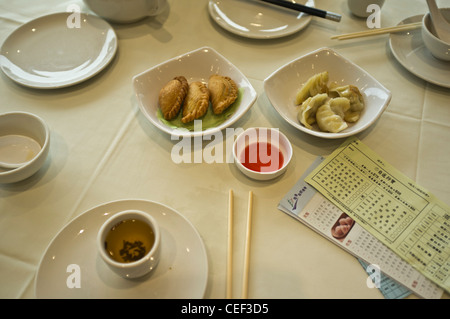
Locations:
56 51
282 86
197 65
258 20
182 271
410 51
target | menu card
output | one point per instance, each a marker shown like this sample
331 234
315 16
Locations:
390 206
310 207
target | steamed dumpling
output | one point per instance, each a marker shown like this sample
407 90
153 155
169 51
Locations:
355 97
340 106
308 109
330 121
317 84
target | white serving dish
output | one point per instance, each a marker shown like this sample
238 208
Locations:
262 135
197 65
30 126
282 86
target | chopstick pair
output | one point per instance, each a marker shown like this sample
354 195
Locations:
229 285
305 9
399 28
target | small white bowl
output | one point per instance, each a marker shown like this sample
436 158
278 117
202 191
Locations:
144 265
126 11
197 65
438 48
282 86
252 136
31 127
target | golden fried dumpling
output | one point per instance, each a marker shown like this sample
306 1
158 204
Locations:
224 92
172 95
196 103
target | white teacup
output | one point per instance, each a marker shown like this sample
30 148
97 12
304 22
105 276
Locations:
129 242
438 48
126 11
359 7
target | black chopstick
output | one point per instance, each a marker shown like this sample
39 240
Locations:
309 10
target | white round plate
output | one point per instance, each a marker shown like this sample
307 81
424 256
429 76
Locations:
182 272
258 20
58 50
410 51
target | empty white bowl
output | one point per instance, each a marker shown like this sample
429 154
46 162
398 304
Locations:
438 48
247 155
282 86
27 127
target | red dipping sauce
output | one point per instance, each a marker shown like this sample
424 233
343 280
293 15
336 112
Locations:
262 157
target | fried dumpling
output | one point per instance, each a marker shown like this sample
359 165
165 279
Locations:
308 109
196 103
223 91
328 120
316 84
172 95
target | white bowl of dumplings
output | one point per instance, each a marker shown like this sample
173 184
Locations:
325 95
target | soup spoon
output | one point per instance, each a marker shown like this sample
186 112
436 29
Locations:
441 26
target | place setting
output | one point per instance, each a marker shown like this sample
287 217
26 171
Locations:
414 44
178 253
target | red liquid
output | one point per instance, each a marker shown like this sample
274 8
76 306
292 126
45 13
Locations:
262 157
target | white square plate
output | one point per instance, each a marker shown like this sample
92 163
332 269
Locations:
197 65
282 86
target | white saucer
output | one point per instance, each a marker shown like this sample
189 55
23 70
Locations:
56 51
410 51
182 272
257 20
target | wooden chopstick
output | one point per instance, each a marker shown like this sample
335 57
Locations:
247 247
230 246
400 28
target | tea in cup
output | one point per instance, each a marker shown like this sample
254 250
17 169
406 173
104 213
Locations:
126 11
129 243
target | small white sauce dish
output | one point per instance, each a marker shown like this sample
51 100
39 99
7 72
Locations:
438 48
246 152
23 137
142 266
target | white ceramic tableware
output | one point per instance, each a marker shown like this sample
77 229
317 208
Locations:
409 50
257 20
27 136
134 268
360 7
55 51
71 267
126 11
438 48
197 65
247 152
282 86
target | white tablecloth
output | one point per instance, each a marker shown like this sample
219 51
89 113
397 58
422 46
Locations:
103 149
